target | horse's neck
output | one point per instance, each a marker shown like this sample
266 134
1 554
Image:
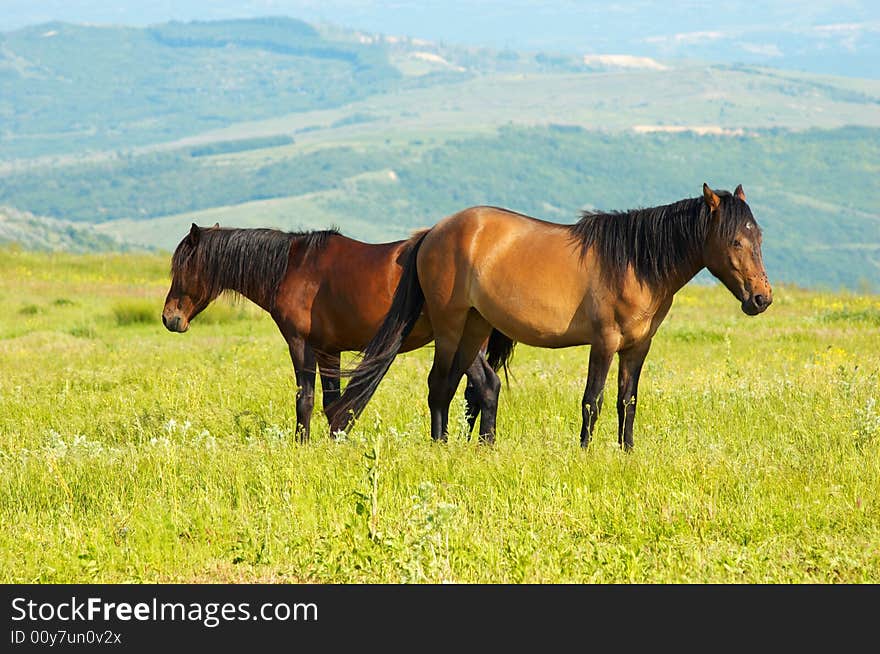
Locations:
686 271
248 288
262 302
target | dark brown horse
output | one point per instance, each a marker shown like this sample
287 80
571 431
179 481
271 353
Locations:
326 292
607 280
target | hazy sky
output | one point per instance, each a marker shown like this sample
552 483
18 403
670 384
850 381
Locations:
841 37
540 22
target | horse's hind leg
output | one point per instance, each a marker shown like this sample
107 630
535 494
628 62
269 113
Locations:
472 398
330 387
456 347
303 358
482 393
491 391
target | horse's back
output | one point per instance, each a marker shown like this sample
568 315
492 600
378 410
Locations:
479 236
337 297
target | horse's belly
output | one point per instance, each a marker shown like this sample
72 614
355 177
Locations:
534 322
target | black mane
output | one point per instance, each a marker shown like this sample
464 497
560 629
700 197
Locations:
250 261
657 241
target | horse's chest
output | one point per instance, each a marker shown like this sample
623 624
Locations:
635 329
637 325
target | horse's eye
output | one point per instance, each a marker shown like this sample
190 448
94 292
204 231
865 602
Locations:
737 244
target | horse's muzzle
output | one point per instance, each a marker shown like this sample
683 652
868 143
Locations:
756 304
174 324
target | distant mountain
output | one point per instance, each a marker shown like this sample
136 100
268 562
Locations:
38 233
66 88
819 36
73 89
275 122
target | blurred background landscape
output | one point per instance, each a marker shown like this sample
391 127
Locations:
120 125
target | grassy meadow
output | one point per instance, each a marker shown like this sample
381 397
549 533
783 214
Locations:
131 454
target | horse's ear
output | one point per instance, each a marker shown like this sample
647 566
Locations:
194 233
711 198
217 225
740 193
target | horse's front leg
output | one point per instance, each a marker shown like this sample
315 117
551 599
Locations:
631 361
591 406
303 358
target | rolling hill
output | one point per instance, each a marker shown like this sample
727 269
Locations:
140 131
815 35
41 234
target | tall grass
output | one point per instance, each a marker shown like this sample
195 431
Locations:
140 312
136 312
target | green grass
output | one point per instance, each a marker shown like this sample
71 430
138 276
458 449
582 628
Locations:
134 312
131 454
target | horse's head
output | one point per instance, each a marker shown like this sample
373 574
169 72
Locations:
190 292
733 249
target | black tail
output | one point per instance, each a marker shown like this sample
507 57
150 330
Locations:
406 307
499 351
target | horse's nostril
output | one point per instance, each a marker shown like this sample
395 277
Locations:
164 320
761 301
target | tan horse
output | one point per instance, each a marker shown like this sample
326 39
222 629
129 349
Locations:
607 280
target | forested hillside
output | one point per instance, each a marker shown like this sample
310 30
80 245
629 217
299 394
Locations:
273 122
